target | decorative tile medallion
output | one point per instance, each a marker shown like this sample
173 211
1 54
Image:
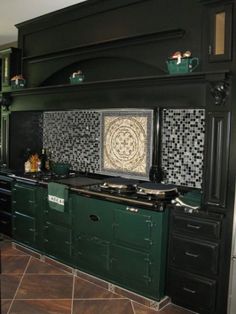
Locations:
126 142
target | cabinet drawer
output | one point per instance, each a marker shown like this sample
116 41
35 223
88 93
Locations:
5 183
197 226
5 202
193 292
5 223
193 255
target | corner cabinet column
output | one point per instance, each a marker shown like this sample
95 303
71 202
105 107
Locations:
218 133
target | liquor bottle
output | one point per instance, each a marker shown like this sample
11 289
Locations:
43 160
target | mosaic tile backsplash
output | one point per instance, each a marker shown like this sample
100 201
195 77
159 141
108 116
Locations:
76 137
183 145
73 137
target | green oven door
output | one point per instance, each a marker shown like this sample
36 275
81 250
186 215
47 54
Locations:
132 269
92 254
57 242
24 198
132 227
24 229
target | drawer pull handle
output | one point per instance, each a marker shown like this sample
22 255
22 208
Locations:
94 218
4 222
3 200
193 226
189 290
132 209
191 254
3 183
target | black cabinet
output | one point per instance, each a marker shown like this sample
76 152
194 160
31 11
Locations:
192 291
220 34
5 205
194 255
194 260
11 66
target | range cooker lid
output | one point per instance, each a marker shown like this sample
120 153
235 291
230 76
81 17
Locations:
157 189
120 183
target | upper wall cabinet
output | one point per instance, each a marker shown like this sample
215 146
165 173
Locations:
11 65
220 33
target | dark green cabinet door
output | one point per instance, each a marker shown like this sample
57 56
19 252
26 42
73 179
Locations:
132 269
24 229
24 199
133 228
92 217
58 242
92 254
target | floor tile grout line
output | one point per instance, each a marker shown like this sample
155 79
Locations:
46 274
97 285
72 297
8 312
132 305
18 255
54 266
98 299
66 299
79 299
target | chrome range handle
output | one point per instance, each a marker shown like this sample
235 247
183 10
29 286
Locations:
132 209
178 202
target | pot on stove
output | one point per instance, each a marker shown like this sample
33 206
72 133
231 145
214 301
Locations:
60 168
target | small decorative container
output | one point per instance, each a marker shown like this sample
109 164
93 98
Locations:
18 82
77 77
184 65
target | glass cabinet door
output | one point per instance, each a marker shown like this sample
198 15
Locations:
220 41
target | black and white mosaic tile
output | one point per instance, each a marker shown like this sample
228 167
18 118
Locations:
76 137
183 135
73 137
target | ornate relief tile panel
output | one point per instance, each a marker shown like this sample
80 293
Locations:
126 142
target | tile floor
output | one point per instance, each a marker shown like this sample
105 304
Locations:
32 286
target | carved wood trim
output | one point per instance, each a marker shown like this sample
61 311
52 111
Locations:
218 154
